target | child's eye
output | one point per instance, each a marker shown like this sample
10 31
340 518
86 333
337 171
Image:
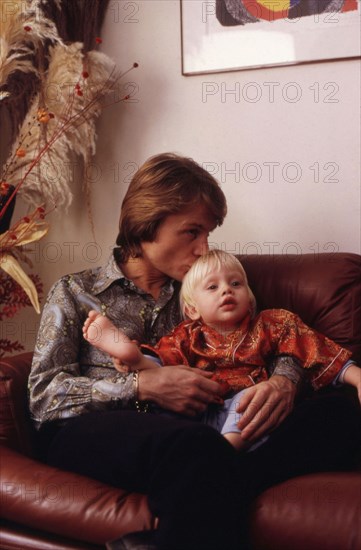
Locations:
211 287
236 283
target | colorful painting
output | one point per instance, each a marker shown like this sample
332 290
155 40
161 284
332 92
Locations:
224 35
241 12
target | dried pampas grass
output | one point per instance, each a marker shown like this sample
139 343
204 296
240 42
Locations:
61 121
23 27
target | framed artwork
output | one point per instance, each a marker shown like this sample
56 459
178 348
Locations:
226 35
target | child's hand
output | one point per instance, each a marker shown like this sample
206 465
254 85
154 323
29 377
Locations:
119 366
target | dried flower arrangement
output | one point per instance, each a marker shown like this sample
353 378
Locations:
12 299
60 122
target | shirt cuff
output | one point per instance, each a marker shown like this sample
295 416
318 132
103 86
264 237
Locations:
289 367
338 380
119 390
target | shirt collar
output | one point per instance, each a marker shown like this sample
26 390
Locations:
107 274
111 272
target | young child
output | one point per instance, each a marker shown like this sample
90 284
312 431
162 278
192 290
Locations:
223 335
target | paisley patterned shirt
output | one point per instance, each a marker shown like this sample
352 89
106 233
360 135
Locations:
69 376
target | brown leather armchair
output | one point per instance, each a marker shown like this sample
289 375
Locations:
44 508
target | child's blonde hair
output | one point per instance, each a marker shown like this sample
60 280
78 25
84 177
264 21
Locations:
211 261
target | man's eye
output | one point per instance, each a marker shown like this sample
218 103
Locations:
193 232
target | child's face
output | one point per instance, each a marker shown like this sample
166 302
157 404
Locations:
222 299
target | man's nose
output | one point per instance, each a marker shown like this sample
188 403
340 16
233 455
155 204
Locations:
201 246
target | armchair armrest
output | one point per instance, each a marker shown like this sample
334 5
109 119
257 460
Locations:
68 504
15 426
319 510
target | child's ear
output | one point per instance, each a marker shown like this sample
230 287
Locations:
191 312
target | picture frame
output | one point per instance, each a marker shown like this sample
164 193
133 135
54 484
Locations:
213 41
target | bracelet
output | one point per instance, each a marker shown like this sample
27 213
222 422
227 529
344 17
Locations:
136 384
139 405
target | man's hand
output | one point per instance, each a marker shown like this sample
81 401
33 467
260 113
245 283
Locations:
265 406
180 389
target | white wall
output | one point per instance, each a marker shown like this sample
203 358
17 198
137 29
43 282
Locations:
230 131
225 132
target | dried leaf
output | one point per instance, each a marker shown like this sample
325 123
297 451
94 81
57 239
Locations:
12 267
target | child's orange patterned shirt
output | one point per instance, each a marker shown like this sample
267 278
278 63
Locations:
239 359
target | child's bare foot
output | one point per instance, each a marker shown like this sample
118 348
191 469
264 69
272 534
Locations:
99 331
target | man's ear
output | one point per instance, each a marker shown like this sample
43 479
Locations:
191 312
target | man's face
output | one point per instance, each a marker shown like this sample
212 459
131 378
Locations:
180 240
